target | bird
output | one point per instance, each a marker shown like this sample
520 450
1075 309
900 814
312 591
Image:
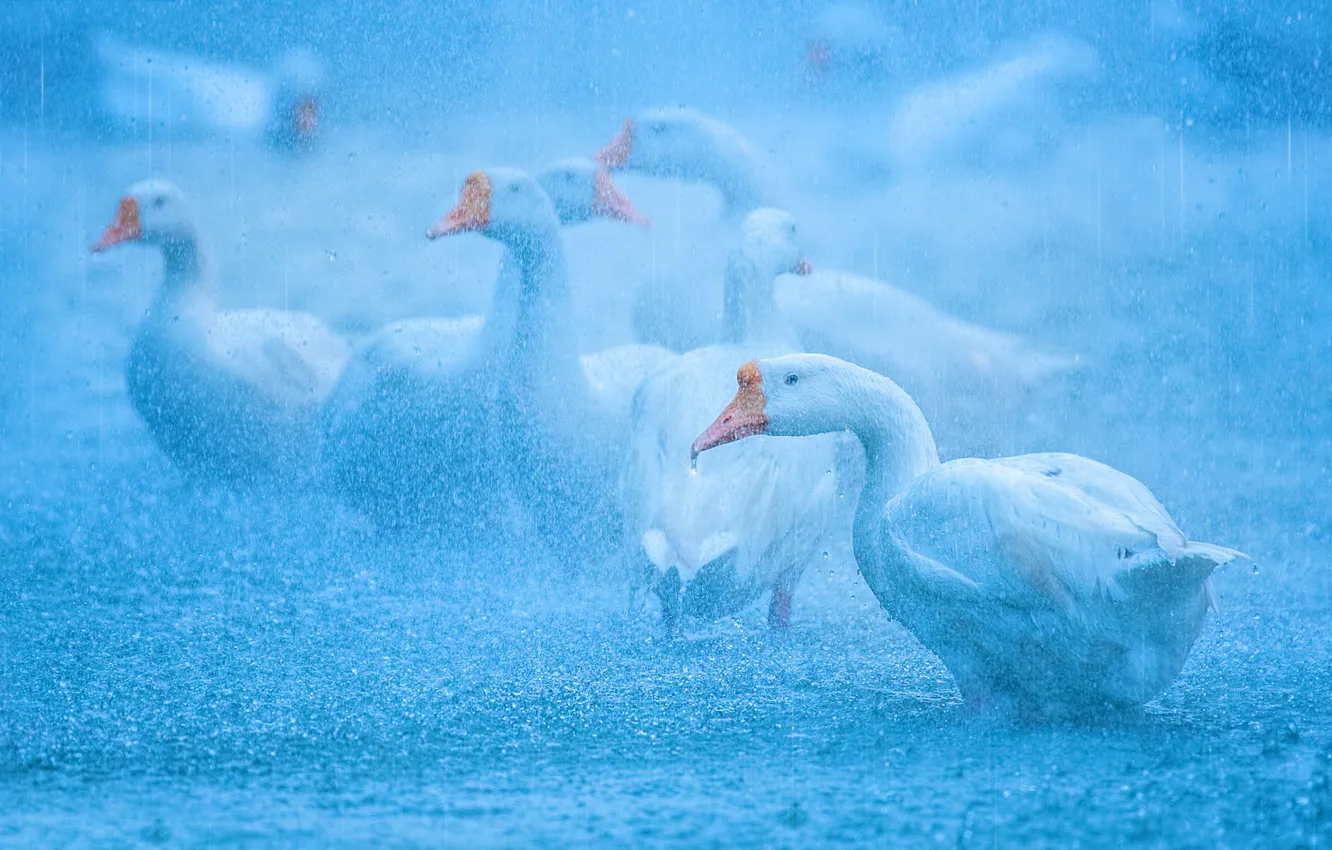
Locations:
959 370
192 96
676 304
1002 114
710 541
1049 585
229 395
374 449
472 424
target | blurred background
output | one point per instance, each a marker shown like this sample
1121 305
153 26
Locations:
1143 187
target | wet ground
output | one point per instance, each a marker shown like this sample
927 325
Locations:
180 665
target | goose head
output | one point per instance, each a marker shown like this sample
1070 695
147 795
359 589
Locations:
504 204
582 190
153 211
768 240
792 396
675 144
298 80
768 247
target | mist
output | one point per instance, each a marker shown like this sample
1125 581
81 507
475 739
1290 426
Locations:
414 601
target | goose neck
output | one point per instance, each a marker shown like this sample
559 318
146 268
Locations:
529 330
897 441
749 313
187 277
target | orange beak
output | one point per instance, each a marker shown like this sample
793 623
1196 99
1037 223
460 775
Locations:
743 417
609 202
616 154
124 227
306 119
472 211
802 267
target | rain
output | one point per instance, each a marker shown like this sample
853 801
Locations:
783 424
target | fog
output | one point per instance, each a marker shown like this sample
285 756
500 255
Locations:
413 601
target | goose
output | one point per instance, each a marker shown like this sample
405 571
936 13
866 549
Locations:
194 97
710 541
227 394
470 423
941 358
1002 114
676 306
403 356
851 44
1048 584
951 367
374 451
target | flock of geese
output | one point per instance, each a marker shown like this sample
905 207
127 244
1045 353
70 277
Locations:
1048 584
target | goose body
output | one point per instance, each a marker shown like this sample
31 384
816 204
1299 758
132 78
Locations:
712 539
957 371
193 97
1001 114
1049 583
868 321
227 394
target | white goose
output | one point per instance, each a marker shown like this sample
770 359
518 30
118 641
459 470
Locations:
713 539
230 394
865 320
492 414
404 357
375 449
194 97
1050 583
676 305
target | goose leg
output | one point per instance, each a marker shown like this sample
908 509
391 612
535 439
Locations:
779 610
668 589
642 578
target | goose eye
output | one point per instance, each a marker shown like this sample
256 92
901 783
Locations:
792 380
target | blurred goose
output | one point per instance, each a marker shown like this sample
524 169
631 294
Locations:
684 144
713 539
847 315
1047 583
1002 114
941 358
230 394
192 96
402 357
850 45
676 304
462 421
